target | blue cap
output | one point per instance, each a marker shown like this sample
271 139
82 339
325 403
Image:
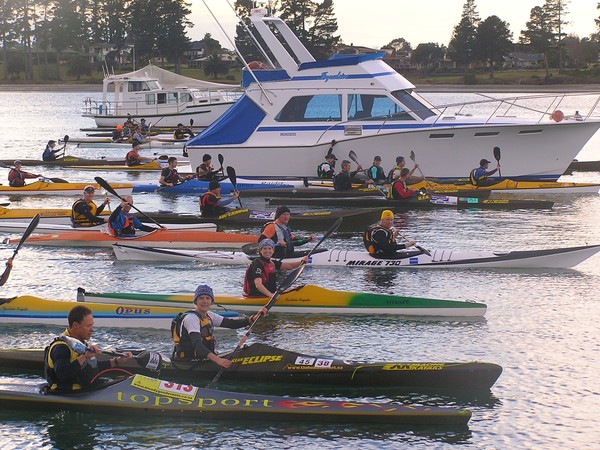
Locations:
266 243
204 289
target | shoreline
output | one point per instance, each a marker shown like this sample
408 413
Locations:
514 88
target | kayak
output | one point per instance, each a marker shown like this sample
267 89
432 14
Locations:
511 186
28 309
48 188
158 238
43 228
309 299
320 192
145 396
264 363
149 166
107 143
194 186
65 161
556 258
421 201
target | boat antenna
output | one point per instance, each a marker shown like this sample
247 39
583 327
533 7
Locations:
238 53
262 50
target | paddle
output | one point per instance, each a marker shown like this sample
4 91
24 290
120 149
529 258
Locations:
221 159
54 180
330 151
233 178
421 249
286 284
108 187
497 157
65 141
34 223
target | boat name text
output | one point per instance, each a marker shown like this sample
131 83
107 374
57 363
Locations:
257 359
132 311
339 76
413 366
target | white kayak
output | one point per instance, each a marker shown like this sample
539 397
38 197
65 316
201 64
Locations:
42 228
556 258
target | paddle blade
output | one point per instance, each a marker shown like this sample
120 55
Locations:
232 176
250 249
102 182
221 160
497 154
352 156
66 139
30 228
191 123
412 156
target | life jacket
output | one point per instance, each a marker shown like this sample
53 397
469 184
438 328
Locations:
79 220
282 233
476 181
83 378
326 174
342 181
209 207
172 177
390 176
379 173
268 272
117 135
204 172
393 194
128 227
132 158
370 245
182 343
16 178
49 154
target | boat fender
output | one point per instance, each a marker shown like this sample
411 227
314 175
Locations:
557 115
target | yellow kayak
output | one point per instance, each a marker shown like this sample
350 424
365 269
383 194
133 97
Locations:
48 188
511 186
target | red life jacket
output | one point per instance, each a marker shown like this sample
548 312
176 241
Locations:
268 274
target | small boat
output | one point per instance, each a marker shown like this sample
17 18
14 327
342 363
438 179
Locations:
161 97
66 161
309 299
512 187
146 396
49 188
194 186
44 228
556 258
264 363
26 309
161 237
417 202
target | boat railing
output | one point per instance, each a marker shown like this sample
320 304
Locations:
575 106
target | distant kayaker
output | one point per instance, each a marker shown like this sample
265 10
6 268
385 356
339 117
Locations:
117 134
193 330
343 180
260 278
85 213
205 171
66 369
400 189
380 239
17 177
279 232
139 135
124 224
144 127
182 132
133 157
211 203
49 153
169 175
326 169
394 174
479 176
376 173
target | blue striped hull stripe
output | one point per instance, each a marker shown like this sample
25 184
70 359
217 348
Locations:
368 127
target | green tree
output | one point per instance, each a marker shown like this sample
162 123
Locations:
556 11
214 66
15 64
538 36
66 28
399 45
493 42
42 36
462 44
79 65
321 38
428 54
7 17
210 45
172 41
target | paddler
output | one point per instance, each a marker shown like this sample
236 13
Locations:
279 232
479 176
17 177
182 133
124 224
169 175
211 203
380 239
205 171
117 134
193 330
400 189
260 278
133 157
49 153
376 173
394 174
85 213
326 169
66 369
343 180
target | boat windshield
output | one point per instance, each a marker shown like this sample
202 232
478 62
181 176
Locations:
311 108
140 86
375 107
413 104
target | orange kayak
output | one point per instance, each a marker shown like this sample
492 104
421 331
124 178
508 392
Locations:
73 189
191 239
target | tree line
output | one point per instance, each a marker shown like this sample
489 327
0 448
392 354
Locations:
45 29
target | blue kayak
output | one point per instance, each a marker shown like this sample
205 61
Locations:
199 187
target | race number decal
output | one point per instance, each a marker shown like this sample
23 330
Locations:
167 388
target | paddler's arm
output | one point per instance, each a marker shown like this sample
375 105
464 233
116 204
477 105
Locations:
227 201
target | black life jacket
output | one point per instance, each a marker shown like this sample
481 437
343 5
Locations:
372 246
182 343
211 210
172 177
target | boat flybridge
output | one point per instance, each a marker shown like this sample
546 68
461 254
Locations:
294 111
161 97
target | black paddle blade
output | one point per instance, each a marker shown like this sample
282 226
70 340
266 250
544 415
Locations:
221 159
232 176
250 249
66 139
30 228
107 187
497 154
352 156
412 156
191 123
149 360
423 250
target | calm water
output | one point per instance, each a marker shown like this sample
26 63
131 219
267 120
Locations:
541 326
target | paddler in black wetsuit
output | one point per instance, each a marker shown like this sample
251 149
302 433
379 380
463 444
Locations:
67 370
85 213
380 239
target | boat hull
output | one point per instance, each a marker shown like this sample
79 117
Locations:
267 364
559 258
46 188
513 187
144 396
34 310
314 299
196 186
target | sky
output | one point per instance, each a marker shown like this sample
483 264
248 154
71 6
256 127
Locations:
374 23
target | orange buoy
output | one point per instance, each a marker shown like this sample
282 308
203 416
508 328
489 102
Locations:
557 115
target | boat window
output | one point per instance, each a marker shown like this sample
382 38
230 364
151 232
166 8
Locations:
136 86
311 108
161 98
185 97
150 99
375 107
172 97
152 85
413 104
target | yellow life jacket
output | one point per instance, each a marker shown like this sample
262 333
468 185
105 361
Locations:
79 220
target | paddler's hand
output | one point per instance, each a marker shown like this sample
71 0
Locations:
261 312
282 243
106 201
222 362
122 359
410 244
235 194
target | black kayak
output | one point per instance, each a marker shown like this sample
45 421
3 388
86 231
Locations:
418 202
264 363
355 219
146 396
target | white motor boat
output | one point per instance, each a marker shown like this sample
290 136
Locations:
296 110
161 97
